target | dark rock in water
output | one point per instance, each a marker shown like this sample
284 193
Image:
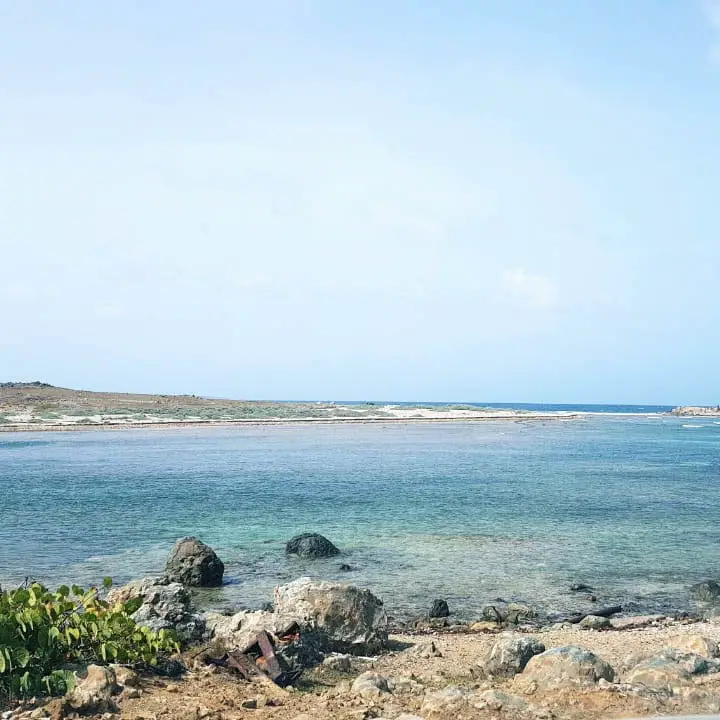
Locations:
439 609
579 587
705 591
492 613
195 564
344 567
311 545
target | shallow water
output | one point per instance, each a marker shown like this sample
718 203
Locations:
466 511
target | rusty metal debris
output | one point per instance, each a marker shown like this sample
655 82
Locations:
261 659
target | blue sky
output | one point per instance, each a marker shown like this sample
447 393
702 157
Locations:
500 200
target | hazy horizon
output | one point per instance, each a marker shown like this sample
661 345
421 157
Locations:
407 200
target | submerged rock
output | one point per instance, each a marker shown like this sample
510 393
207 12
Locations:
354 620
439 609
311 546
195 564
705 591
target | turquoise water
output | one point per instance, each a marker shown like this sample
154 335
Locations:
466 511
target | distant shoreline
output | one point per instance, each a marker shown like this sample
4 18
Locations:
254 422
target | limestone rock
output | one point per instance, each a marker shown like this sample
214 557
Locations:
353 619
510 654
566 666
446 703
498 700
595 622
93 694
696 644
659 673
311 546
195 564
164 606
370 685
233 632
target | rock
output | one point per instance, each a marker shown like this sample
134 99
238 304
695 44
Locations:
445 703
510 654
93 694
580 587
595 622
695 644
339 663
404 686
311 546
195 564
485 626
354 620
423 623
519 613
236 632
659 673
370 685
491 613
344 567
498 700
705 591
165 605
439 609
125 677
566 666
424 649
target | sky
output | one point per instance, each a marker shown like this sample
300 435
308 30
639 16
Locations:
489 200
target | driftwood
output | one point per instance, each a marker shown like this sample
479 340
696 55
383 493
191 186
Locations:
602 612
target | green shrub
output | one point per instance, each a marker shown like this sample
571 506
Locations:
43 633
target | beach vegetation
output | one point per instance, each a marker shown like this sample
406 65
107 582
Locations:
44 634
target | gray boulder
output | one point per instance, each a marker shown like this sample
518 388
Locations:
705 591
509 655
354 620
93 694
195 564
311 546
165 606
566 666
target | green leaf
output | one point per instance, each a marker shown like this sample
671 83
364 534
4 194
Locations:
107 582
3 664
21 656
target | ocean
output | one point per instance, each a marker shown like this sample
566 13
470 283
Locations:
467 511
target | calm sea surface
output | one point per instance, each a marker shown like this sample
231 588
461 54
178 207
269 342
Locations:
465 511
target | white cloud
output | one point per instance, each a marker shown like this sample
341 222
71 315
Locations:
530 290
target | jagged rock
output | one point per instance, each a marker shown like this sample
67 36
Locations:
425 649
165 606
93 694
493 613
370 685
195 564
233 632
423 623
339 663
510 654
695 644
354 620
497 700
659 673
125 677
439 609
705 591
446 703
595 622
311 546
519 613
565 666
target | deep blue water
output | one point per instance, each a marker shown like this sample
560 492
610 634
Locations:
467 511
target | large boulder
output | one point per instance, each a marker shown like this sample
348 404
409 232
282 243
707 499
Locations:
659 673
694 644
439 609
509 655
311 546
354 620
195 564
164 606
705 591
566 666
93 694
238 631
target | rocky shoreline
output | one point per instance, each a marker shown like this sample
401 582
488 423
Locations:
323 650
